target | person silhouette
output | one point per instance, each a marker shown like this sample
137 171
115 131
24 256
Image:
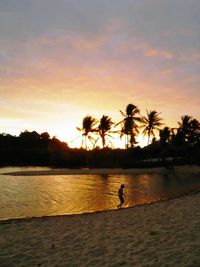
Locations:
121 195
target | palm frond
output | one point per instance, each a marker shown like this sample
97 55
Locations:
75 139
123 114
110 136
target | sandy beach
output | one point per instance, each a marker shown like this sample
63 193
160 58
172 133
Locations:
178 169
160 234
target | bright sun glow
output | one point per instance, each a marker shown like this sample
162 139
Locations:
142 140
74 139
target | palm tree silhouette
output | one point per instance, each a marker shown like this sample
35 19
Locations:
129 125
189 128
184 127
88 124
184 124
165 135
195 125
104 128
194 136
151 123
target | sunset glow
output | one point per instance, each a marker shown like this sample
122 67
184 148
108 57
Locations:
62 60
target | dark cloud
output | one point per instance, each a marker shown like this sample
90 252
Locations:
149 19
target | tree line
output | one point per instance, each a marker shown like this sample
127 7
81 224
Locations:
178 145
186 132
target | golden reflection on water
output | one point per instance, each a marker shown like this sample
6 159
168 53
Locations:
29 196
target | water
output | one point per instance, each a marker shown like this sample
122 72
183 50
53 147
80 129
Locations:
30 196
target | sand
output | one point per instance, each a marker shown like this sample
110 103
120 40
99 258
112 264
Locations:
160 234
178 169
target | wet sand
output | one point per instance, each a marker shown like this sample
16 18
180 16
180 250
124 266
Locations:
160 234
176 169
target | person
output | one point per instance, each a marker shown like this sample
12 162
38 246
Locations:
121 195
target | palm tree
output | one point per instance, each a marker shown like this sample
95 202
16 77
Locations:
194 134
184 127
104 128
151 123
195 125
165 135
129 125
88 124
189 128
184 124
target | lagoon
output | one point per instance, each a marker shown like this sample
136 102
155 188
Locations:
50 195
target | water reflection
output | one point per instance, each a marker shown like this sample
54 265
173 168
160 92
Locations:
55 195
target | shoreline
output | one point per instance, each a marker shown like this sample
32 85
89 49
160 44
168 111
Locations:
46 217
177 169
159 234
164 233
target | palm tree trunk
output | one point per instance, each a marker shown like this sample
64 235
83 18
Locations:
86 155
148 138
86 143
126 141
103 141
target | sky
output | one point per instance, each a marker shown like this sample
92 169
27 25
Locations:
65 59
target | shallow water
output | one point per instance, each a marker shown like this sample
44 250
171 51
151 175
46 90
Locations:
30 196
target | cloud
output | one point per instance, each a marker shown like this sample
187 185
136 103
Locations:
98 56
151 20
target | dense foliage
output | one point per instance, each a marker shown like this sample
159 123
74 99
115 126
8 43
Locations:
179 145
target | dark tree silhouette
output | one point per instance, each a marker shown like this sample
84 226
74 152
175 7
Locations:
129 126
45 136
165 136
194 132
151 123
190 129
88 126
184 126
104 129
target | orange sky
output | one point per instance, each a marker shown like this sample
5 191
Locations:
62 60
